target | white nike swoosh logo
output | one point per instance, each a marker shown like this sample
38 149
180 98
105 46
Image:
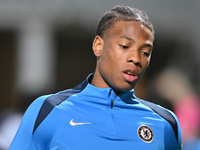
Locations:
78 123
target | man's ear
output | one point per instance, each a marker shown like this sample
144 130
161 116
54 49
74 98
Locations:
97 46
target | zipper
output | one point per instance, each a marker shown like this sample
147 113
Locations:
111 105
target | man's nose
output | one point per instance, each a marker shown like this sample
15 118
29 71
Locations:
134 57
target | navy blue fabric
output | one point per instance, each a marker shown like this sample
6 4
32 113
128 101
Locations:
55 100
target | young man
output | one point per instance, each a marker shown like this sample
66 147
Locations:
102 113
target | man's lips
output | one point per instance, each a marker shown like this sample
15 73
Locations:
130 76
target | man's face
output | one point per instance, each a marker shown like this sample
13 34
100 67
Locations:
123 55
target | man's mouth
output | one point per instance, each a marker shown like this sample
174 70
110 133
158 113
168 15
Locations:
130 73
130 76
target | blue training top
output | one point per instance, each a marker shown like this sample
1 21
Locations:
92 118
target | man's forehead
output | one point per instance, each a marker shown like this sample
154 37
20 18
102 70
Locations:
131 28
129 24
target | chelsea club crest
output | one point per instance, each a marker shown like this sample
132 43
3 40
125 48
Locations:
145 133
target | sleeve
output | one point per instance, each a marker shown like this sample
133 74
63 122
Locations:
179 135
24 135
172 136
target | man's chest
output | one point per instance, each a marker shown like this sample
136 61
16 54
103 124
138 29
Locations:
108 129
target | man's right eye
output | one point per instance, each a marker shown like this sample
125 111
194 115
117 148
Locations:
124 46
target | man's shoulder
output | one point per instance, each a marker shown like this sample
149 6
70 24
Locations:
48 102
53 100
163 112
166 114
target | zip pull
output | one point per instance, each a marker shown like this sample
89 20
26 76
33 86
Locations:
111 103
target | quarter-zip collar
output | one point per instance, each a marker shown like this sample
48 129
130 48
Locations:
105 93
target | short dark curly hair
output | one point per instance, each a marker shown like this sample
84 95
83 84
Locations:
122 13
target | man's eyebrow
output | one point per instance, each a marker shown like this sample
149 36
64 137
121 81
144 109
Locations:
148 45
128 38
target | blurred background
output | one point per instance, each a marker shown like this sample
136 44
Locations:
46 47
